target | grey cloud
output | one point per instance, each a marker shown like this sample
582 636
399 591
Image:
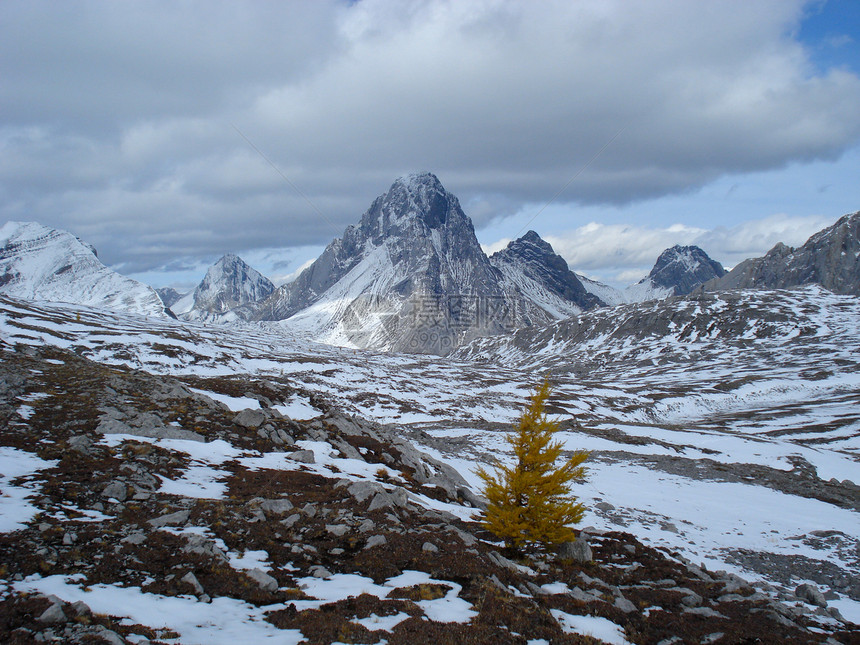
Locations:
118 117
98 66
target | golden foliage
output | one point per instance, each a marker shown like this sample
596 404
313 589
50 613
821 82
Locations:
530 501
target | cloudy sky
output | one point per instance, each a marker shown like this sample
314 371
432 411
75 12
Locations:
614 128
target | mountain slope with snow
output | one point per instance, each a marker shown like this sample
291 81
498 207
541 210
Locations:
411 276
41 263
750 396
547 287
228 285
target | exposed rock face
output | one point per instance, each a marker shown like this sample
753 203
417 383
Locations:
830 258
683 268
168 295
411 276
678 271
42 263
541 277
228 285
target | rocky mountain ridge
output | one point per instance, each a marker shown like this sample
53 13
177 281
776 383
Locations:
410 277
41 263
229 284
830 258
542 278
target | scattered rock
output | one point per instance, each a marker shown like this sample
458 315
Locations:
53 615
82 444
138 537
203 546
111 637
577 551
375 540
706 612
624 605
810 594
171 519
691 598
337 529
276 506
251 419
502 561
396 498
291 520
579 595
429 547
361 490
266 582
319 571
116 490
302 456
191 579
80 608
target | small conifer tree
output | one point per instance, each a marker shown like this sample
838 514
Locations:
530 501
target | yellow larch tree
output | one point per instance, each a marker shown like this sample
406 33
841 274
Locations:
531 500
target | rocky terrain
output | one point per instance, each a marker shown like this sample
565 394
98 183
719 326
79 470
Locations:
153 512
168 482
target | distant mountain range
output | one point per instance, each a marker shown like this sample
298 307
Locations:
411 276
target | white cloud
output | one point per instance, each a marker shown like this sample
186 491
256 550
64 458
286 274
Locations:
489 249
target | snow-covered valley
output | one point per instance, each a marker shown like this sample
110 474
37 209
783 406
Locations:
729 437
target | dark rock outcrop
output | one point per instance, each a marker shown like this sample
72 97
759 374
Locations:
542 276
683 268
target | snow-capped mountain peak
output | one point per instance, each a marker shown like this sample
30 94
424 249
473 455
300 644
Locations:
230 283
42 263
543 279
683 268
419 195
678 271
412 259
